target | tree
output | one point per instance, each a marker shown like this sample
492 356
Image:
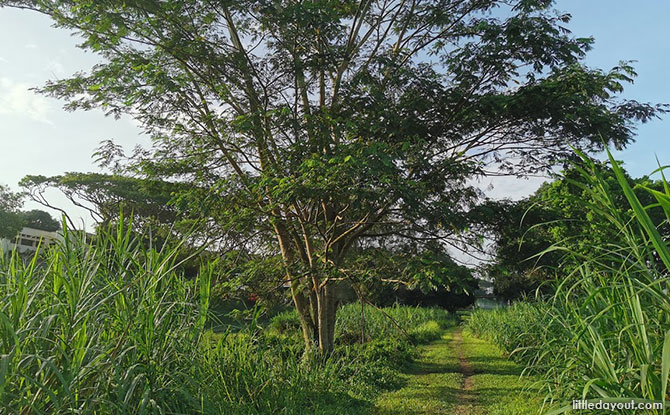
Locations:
519 231
10 219
39 219
170 209
107 196
342 125
411 274
555 215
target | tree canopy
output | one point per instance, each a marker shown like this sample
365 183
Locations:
107 196
341 126
39 219
561 213
12 219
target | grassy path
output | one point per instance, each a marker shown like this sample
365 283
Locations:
461 375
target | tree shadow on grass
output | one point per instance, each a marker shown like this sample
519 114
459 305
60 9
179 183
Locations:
420 399
337 403
431 388
424 368
494 366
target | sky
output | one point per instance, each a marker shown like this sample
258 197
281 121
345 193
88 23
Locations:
38 137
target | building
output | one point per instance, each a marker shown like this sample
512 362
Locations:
484 296
29 239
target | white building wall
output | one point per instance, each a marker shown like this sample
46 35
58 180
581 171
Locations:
29 239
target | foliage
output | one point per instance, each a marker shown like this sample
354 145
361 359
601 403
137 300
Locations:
419 324
108 326
39 219
511 328
107 197
411 274
10 219
326 127
555 215
116 328
9 201
604 334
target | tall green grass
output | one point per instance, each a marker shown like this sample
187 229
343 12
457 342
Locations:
511 328
415 324
104 327
110 326
606 332
371 350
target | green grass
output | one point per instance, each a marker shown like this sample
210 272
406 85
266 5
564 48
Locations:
111 327
498 387
434 383
431 383
606 332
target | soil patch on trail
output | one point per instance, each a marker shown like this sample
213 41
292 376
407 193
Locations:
460 375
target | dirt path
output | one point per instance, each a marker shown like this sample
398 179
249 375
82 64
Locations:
465 398
460 375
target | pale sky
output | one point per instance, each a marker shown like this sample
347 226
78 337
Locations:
38 137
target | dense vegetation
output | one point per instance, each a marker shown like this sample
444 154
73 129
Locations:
110 327
561 213
325 154
606 330
317 131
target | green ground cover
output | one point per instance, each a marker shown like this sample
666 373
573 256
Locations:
460 374
110 327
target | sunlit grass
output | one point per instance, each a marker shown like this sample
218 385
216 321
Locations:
110 326
606 332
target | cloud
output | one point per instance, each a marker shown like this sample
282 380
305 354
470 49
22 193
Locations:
3 60
55 67
16 99
30 46
510 187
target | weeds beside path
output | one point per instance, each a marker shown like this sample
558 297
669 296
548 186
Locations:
462 375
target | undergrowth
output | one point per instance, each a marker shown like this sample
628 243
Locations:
606 332
110 326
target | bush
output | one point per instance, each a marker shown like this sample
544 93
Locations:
285 322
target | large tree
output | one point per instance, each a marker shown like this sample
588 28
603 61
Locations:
108 196
11 221
546 235
343 124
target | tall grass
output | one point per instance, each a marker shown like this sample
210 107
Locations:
369 360
606 332
416 324
511 328
110 326
104 327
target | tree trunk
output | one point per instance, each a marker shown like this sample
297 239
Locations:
306 323
314 304
326 317
300 300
